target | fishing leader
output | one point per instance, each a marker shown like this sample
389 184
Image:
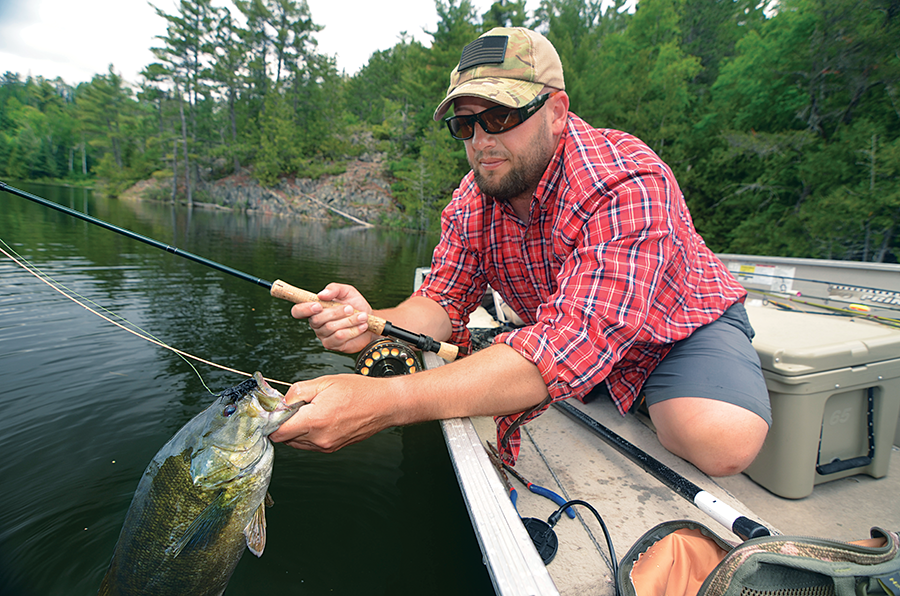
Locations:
587 236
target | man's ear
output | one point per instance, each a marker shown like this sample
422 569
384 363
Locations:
559 112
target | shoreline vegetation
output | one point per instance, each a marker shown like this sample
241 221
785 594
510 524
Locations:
360 195
780 119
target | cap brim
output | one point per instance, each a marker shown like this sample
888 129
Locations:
512 93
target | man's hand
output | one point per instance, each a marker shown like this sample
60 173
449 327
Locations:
342 410
338 328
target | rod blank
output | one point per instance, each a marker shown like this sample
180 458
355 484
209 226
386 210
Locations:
279 289
134 235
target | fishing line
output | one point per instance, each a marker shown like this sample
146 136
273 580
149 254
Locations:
145 335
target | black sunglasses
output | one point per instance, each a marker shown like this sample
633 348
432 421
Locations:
494 120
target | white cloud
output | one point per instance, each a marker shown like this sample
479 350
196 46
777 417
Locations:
75 40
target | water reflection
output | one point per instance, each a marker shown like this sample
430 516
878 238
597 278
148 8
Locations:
86 405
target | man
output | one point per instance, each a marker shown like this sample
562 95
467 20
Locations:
587 236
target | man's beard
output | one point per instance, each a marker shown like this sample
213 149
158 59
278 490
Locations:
523 176
513 185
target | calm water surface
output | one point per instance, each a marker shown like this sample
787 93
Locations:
86 405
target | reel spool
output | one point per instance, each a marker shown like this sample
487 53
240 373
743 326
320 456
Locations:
387 358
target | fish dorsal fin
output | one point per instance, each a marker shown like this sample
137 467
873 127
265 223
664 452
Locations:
205 527
255 532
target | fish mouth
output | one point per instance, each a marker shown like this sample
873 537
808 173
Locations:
271 400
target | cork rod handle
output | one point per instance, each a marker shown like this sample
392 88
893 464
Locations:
286 291
448 352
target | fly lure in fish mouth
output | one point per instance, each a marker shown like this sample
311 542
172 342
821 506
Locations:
117 320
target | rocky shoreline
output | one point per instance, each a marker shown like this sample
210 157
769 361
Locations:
361 195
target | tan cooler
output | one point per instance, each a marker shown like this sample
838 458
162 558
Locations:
834 384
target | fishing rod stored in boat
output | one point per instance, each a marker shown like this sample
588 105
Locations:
277 289
741 525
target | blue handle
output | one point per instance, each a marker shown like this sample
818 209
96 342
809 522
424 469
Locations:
513 496
540 490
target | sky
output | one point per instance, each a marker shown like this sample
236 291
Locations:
77 39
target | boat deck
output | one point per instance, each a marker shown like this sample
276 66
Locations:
565 456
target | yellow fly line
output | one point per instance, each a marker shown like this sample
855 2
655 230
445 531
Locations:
134 330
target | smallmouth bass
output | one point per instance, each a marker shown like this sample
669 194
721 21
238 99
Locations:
202 499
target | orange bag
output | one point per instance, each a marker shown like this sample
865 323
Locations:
677 564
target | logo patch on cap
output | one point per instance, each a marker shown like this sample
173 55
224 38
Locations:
484 50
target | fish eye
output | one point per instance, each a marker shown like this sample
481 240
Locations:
229 410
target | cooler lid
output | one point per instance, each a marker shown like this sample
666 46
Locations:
795 343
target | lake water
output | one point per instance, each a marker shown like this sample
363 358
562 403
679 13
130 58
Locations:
86 405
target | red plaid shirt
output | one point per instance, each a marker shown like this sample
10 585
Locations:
607 274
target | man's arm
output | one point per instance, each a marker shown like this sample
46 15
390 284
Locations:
345 409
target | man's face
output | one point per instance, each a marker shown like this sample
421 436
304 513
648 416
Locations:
508 165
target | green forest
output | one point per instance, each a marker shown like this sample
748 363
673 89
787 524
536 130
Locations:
780 120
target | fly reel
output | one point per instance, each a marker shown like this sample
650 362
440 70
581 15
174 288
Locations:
387 358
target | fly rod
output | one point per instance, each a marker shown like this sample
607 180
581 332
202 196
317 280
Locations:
278 288
721 512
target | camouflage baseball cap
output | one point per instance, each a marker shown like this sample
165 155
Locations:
508 66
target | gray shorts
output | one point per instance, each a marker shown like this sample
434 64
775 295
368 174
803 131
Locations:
717 361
